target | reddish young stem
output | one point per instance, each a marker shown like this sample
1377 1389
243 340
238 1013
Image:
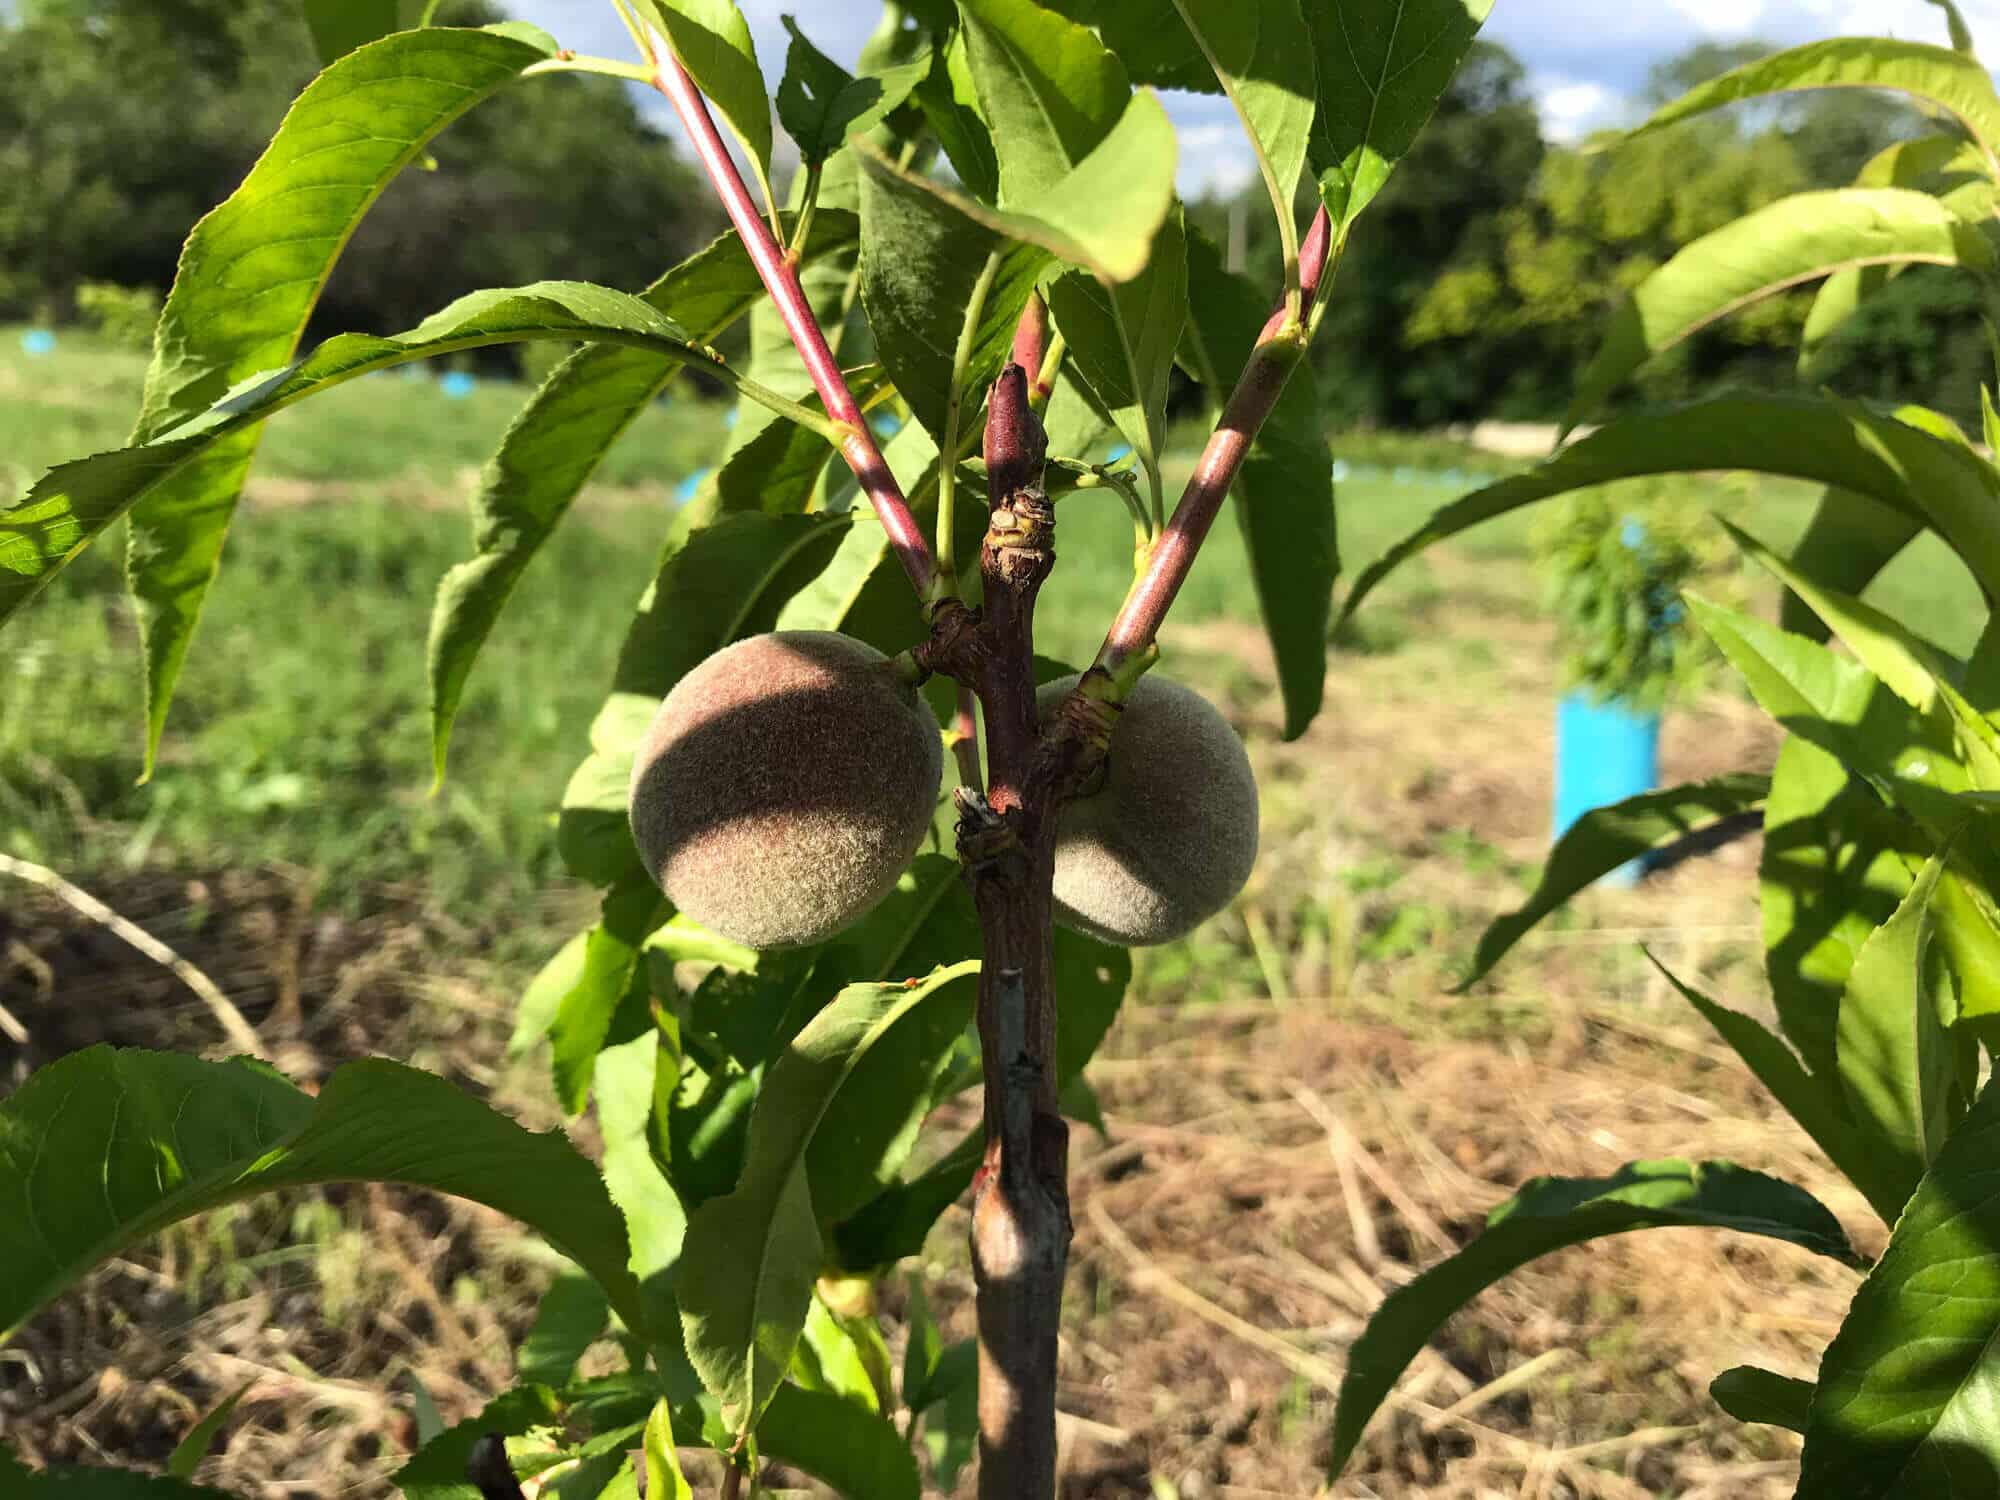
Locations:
1279 346
781 280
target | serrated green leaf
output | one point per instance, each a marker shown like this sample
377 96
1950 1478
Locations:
551 449
751 1256
536 1010
1830 442
437 1470
923 1348
1768 250
1817 1104
1048 90
1608 837
1550 1214
1103 215
862 1457
950 107
1382 66
147 1139
1263 56
247 281
951 1423
1753 1395
821 104
1123 337
1954 83
1138 33
1908 1385
1891 1046
1283 493
921 260
712 40
569 1317
192 1449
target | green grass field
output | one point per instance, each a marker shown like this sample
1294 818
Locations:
298 732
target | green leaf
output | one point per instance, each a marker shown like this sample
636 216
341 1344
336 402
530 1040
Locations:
921 260
1284 490
751 1256
1908 1384
1608 837
951 1423
951 108
655 1221
249 276
583 1021
1262 54
862 1457
924 1348
74 502
1833 870
1049 92
562 434
1913 669
147 1139
1840 706
1961 34
109 1484
664 1479
1942 162
536 1011
1848 541
570 1316
834 1360
1954 83
1796 239
1123 337
1550 1214
1817 1104
1103 214
192 1449
1831 442
1753 1395
821 104
1152 51
712 40
1382 67
1891 1045
339 26
437 1470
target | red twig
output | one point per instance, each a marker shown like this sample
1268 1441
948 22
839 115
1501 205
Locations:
781 280
1279 346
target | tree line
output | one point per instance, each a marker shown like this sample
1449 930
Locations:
1474 288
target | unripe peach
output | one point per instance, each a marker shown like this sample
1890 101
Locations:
784 785
1169 837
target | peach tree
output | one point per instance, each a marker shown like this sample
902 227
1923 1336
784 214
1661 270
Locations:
1880 872
815 927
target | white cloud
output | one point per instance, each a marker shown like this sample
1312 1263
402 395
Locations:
1573 107
1214 158
1722 18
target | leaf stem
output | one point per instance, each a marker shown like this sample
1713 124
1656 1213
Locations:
856 440
1280 345
968 333
806 211
610 67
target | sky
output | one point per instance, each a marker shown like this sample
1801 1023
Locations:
1586 59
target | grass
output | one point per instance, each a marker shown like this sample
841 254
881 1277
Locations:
1413 810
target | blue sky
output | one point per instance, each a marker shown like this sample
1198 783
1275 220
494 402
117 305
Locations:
1585 58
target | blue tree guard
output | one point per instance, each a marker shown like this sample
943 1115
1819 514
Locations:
458 384
1605 752
689 487
37 342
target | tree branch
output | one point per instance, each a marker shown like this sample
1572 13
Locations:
781 280
1280 345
